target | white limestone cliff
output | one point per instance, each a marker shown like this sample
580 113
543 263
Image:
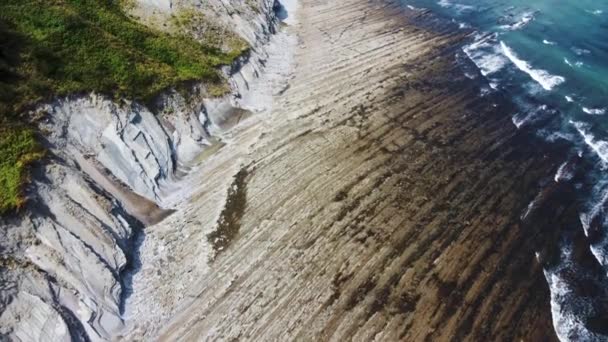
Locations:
112 169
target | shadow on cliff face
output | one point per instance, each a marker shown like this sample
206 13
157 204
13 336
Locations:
280 10
133 254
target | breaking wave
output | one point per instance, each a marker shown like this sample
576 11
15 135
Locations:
594 111
542 77
599 147
525 19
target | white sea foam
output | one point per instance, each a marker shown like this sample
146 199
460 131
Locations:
579 51
597 205
444 3
594 111
563 173
585 223
568 308
562 320
599 147
557 135
518 121
531 115
525 19
575 64
530 207
484 91
461 25
569 98
566 323
595 12
534 88
489 63
548 42
599 248
464 8
470 75
484 52
598 251
545 79
458 7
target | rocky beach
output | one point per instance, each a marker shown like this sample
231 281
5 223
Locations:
354 186
381 199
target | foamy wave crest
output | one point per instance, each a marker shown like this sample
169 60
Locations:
567 306
532 115
484 52
548 42
594 111
525 19
458 7
599 147
528 210
518 120
545 79
595 12
599 252
596 206
444 3
563 321
569 98
579 51
463 26
558 135
564 172
570 64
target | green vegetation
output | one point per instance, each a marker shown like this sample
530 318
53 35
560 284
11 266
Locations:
18 149
194 23
58 47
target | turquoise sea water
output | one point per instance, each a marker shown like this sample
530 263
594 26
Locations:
551 58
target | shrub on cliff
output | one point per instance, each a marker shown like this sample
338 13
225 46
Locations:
18 149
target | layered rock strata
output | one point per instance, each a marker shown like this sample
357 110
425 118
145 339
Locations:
379 199
112 167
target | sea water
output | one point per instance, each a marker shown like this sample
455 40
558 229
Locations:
551 58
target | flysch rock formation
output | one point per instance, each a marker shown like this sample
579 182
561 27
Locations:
355 186
113 169
378 199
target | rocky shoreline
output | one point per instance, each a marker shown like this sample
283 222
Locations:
383 202
357 187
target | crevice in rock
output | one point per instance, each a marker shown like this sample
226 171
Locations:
131 250
75 327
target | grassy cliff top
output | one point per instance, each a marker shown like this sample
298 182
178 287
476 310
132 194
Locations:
18 149
58 47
